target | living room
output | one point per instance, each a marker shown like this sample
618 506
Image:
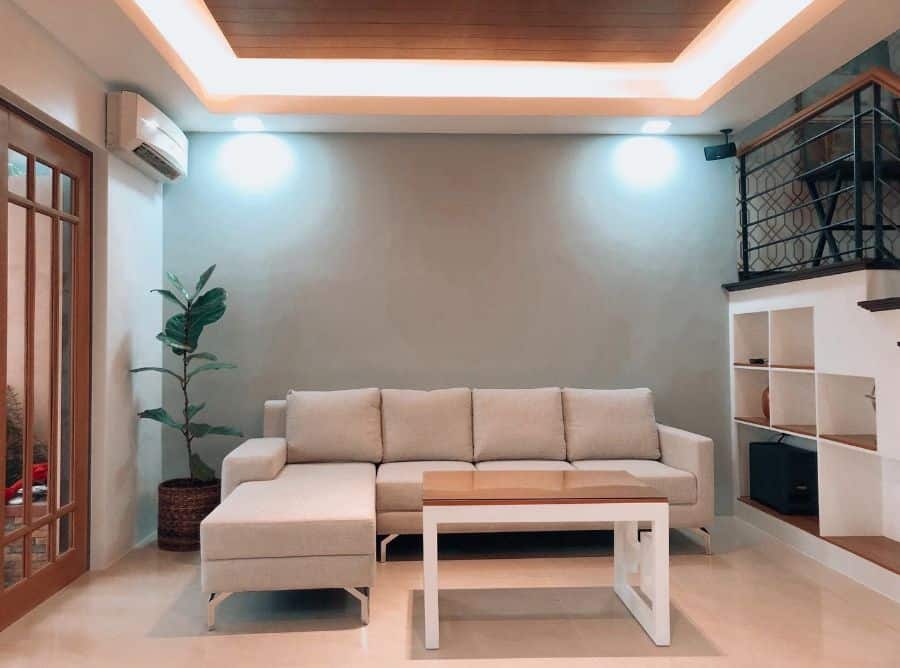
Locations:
375 332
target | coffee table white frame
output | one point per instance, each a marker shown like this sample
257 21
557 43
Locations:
649 554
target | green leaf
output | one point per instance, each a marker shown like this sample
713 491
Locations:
209 307
204 277
211 366
174 280
167 294
193 409
200 470
157 368
200 429
201 356
159 415
176 345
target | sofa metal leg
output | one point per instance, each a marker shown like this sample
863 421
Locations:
214 600
704 535
362 594
384 544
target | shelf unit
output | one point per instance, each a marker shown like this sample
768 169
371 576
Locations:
831 413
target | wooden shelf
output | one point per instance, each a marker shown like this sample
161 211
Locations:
803 429
754 367
796 368
759 421
807 523
890 304
877 549
864 441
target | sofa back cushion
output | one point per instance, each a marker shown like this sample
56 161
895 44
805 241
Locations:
338 426
610 424
435 425
518 424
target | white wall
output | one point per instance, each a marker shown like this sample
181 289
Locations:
42 78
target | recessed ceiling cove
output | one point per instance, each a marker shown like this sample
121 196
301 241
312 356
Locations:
607 31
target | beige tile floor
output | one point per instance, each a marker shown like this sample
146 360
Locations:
508 601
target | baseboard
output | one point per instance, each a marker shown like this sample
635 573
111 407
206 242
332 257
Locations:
145 541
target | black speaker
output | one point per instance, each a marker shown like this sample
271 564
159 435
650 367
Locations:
784 477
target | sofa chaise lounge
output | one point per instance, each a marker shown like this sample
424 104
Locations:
301 506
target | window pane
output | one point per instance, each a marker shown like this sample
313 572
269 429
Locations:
40 548
15 363
17 173
43 184
66 279
64 535
13 561
43 372
66 193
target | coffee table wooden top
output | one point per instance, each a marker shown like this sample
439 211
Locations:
448 488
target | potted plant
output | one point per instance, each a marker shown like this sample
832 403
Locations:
184 502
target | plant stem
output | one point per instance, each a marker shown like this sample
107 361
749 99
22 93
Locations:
184 390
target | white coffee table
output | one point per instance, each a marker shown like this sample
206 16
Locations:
489 497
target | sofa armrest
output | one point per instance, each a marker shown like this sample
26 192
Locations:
694 453
254 459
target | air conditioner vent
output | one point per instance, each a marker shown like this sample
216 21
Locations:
146 153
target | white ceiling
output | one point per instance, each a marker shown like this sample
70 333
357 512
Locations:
107 42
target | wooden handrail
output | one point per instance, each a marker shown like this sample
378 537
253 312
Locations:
877 75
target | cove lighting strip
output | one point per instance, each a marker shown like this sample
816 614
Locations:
192 33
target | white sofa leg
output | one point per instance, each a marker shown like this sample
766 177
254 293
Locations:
384 544
214 601
361 594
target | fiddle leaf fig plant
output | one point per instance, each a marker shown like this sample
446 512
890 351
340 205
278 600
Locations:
181 335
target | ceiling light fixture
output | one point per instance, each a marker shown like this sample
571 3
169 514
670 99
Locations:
655 127
248 124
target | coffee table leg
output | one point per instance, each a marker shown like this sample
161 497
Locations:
430 563
660 578
654 618
624 550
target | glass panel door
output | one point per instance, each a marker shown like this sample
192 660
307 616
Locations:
44 362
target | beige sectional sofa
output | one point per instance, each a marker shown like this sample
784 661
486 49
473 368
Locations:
302 505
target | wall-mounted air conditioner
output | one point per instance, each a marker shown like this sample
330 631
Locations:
145 137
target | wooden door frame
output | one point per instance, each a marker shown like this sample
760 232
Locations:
81 359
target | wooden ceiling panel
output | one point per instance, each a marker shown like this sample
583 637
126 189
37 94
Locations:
617 31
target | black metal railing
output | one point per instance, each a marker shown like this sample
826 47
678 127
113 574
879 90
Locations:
823 188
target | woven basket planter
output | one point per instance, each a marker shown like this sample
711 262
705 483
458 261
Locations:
183 503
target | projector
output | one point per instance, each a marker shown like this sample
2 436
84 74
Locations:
721 151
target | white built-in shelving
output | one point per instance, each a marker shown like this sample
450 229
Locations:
820 362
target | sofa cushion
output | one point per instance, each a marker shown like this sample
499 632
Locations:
398 485
524 465
339 426
435 425
518 424
306 510
610 424
680 487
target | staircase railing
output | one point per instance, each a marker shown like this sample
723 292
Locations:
822 188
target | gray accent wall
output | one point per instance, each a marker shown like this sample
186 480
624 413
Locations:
428 261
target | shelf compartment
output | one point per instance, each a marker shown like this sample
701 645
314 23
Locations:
748 390
792 345
845 410
750 337
792 400
850 492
